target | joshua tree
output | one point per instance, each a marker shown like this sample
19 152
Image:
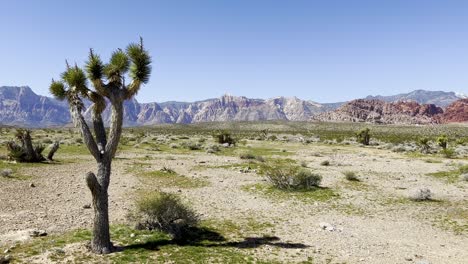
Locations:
109 85
363 136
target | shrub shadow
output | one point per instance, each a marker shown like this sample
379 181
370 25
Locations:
204 237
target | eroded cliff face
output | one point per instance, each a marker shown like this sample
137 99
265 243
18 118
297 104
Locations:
378 111
22 107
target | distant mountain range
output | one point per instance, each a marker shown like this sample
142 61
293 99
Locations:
20 106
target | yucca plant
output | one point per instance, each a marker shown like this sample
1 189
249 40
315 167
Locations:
109 86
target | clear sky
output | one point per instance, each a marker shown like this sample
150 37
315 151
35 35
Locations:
326 51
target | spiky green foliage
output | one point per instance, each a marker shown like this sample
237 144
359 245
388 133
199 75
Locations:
57 89
94 66
140 68
134 61
442 141
75 78
117 67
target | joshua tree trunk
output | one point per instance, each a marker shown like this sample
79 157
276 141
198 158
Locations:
98 186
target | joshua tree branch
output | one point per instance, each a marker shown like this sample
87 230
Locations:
116 123
85 131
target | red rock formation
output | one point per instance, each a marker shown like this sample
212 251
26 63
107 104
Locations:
377 111
456 112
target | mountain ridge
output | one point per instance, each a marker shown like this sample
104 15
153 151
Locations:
20 106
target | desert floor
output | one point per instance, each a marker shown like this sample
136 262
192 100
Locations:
367 221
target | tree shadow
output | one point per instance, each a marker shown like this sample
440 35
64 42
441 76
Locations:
204 237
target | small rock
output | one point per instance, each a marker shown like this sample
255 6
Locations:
86 206
408 258
6 251
32 185
37 233
132 235
327 226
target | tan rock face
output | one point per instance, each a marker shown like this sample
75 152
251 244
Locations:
377 111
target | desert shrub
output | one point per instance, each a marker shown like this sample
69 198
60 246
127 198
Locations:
423 144
47 141
212 148
350 176
464 177
272 138
192 145
442 141
422 194
6 172
448 152
291 177
165 212
251 156
224 137
325 163
363 136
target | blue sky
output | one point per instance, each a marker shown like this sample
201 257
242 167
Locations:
324 51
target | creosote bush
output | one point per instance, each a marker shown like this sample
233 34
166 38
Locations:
351 176
165 212
291 177
423 194
251 156
448 153
6 173
464 177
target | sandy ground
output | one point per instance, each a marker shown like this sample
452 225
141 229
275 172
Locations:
369 222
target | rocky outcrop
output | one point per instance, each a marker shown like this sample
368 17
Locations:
456 112
378 111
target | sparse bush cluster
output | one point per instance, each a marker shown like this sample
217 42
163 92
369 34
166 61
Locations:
422 194
251 156
351 176
6 173
291 177
165 212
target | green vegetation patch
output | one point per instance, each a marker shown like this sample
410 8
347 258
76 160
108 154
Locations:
450 176
321 194
165 178
142 246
